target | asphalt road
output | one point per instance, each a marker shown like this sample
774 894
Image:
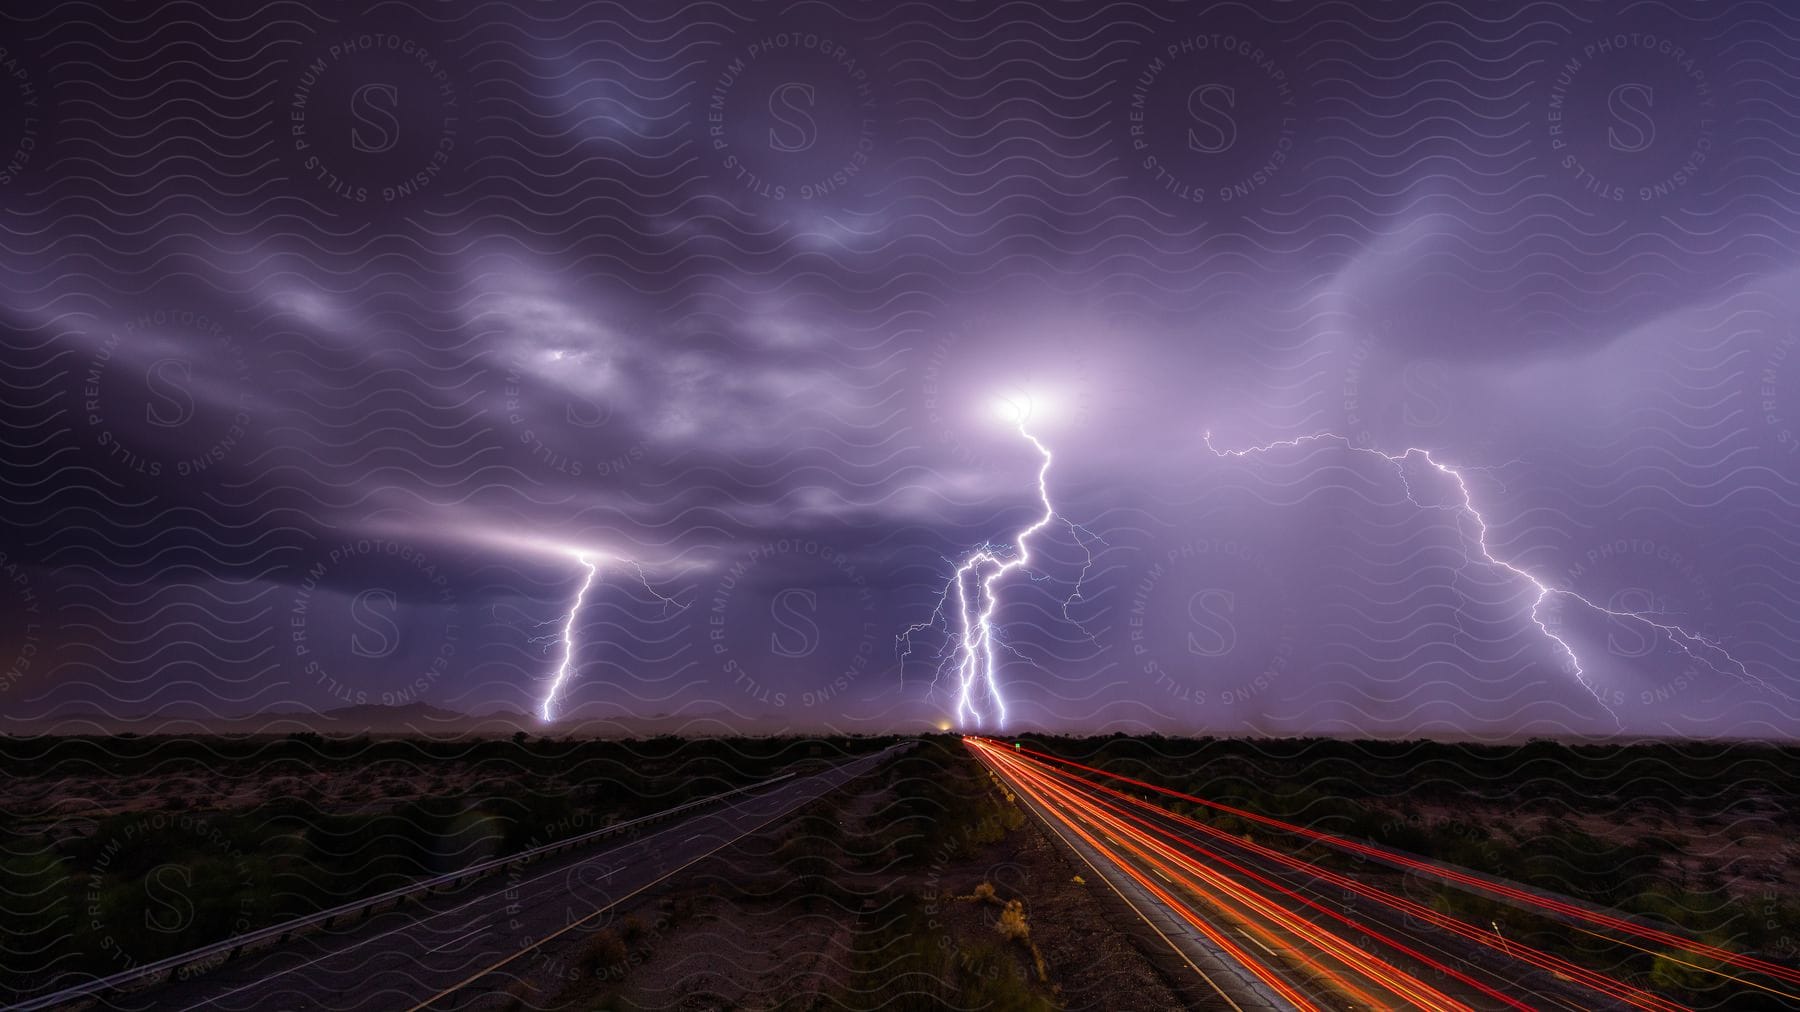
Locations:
1275 928
454 948
1532 986
1234 986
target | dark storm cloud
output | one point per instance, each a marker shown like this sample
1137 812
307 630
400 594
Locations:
335 345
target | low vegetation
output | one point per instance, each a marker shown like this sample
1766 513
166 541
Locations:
904 960
95 886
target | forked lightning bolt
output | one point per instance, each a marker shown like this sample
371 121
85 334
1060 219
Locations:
1694 645
974 634
548 709
568 639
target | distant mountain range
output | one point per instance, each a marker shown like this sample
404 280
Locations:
414 719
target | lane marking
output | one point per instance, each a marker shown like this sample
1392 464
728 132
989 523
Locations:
641 843
1398 921
459 938
1102 876
1259 943
465 982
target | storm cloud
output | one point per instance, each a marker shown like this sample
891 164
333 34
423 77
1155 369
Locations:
336 340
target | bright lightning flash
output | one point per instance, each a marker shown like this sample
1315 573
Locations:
548 709
568 639
981 571
1694 645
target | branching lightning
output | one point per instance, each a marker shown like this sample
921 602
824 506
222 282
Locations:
1699 647
548 709
568 639
974 585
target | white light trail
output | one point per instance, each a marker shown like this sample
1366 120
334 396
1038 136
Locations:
1690 643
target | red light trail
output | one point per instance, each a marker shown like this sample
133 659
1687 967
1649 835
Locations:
1264 921
1471 881
1146 836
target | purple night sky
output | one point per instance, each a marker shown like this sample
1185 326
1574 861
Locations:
334 339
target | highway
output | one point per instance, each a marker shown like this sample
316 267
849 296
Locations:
455 948
1266 930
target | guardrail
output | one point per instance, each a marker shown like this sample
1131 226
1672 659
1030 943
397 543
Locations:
220 952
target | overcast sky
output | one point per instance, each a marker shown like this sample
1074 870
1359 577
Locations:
334 347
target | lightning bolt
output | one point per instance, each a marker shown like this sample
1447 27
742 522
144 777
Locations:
548 709
1696 646
568 639
982 570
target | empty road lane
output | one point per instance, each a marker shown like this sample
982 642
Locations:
435 953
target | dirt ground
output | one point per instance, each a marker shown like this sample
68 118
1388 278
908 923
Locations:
741 935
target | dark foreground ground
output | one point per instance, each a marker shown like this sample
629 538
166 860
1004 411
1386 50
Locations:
916 885
889 893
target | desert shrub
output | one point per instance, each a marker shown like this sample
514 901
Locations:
604 955
1012 819
633 930
1012 922
903 961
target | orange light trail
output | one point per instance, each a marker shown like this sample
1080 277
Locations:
1140 846
1241 904
1471 881
1511 949
1217 858
1229 947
